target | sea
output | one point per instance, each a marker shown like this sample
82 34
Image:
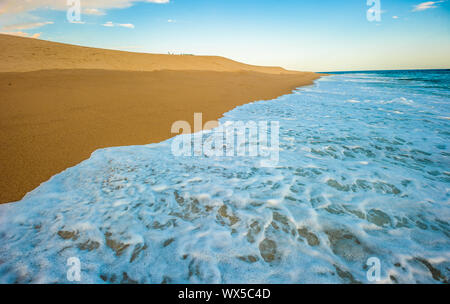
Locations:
360 193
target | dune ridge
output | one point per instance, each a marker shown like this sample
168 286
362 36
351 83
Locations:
21 54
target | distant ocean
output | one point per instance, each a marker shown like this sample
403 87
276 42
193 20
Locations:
363 176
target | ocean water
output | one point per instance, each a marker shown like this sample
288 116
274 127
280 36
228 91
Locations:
363 172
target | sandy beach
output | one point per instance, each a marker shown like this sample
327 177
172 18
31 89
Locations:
59 103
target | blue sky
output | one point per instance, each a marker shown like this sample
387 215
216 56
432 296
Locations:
326 35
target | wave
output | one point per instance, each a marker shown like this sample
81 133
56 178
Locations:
352 183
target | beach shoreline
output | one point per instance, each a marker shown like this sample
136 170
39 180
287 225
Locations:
53 119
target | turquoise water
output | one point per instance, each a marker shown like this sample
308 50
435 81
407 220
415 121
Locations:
363 171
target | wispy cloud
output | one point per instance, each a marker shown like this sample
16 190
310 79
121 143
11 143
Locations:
171 21
22 34
93 11
426 5
111 24
92 7
25 26
127 25
395 17
10 9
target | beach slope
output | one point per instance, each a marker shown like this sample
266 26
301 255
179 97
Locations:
59 103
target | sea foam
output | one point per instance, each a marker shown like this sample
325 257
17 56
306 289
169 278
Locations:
354 181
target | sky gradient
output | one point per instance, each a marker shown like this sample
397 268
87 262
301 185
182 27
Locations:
326 35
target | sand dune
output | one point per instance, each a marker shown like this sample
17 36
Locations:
59 103
24 54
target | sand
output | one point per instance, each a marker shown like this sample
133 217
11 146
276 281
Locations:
20 54
59 103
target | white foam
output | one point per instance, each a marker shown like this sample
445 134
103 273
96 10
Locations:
352 184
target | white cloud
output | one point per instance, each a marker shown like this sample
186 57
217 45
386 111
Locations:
22 34
18 6
93 11
19 10
426 5
111 24
127 25
25 26
395 17
171 21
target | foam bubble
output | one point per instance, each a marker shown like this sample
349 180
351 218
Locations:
352 183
